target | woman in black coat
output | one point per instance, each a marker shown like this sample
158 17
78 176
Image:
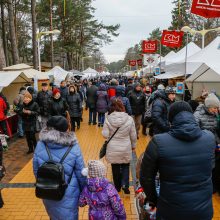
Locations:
58 106
29 112
75 106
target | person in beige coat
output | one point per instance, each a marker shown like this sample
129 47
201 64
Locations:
119 149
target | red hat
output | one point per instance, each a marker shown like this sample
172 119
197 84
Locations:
55 91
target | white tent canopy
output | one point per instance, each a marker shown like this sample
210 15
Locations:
209 55
27 70
203 78
10 83
59 74
14 77
88 73
192 49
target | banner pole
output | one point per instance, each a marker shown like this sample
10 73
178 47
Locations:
187 41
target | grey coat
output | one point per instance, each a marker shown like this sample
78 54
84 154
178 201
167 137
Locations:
206 120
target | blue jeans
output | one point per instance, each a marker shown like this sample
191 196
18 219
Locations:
20 126
92 115
120 175
101 117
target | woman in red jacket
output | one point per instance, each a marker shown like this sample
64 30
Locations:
3 113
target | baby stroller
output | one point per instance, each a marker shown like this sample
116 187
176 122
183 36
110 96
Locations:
145 212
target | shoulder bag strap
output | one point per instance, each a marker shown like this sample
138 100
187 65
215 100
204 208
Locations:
65 155
112 135
48 152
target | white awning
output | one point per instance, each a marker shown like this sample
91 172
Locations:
6 78
169 75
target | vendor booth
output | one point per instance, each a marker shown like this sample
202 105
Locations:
10 83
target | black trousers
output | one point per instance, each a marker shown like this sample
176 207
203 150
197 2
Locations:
1 200
120 174
3 125
31 140
74 121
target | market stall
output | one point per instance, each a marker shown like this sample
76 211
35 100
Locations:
10 82
89 73
58 74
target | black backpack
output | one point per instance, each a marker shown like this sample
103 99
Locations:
50 183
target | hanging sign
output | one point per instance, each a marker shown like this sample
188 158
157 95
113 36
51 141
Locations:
157 71
172 38
206 8
132 62
139 62
179 88
149 46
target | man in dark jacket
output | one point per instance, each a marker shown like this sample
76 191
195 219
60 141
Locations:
184 158
91 102
160 107
63 89
129 87
43 99
137 101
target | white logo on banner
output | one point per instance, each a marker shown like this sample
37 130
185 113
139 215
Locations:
169 38
214 3
150 46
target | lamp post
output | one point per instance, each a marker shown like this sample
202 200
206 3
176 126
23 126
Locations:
38 42
203 32
83 61
95 65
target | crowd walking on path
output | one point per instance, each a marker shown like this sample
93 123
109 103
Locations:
183 154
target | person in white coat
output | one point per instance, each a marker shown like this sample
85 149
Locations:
119 149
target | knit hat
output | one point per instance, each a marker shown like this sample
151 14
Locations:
59 123
96 169
136 85
212 101
170 90
27 95
55 91
30 89
160 87
177 107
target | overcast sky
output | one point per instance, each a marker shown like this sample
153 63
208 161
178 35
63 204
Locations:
137 19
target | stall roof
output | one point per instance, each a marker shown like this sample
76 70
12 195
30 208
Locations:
169 75
12 77
180 55
27 70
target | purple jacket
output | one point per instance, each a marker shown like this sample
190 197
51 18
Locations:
103 200
102 99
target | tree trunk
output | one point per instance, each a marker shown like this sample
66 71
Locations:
4 40
2 56
51 36
34 33
14 47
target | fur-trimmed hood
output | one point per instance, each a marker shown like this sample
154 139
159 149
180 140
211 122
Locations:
56 137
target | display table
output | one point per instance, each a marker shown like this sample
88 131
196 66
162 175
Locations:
12 124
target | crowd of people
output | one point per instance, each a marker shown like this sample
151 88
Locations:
184 147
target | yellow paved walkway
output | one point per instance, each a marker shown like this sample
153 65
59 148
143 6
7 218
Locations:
21 203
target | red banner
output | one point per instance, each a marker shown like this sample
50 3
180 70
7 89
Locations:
149 46
132 62
139 62
206 8
172 38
